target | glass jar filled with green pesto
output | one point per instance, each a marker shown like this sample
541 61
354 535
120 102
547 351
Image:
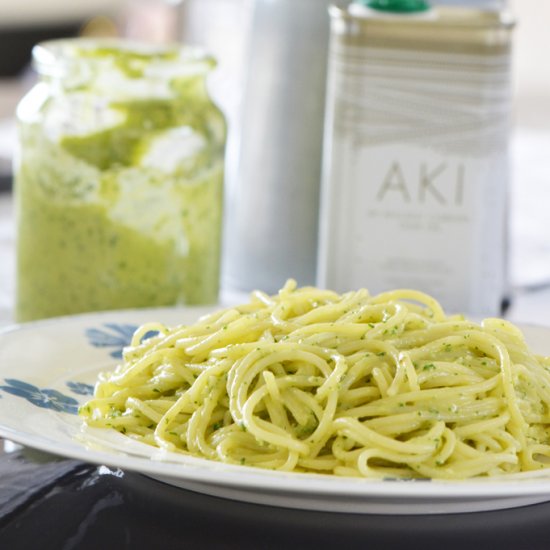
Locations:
118 180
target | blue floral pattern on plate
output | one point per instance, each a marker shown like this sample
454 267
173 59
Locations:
117 336
80 388
45 398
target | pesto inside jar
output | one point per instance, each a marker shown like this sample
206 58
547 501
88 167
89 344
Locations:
119 180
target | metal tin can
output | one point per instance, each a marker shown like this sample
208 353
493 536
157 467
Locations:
416 154
272 200
119 179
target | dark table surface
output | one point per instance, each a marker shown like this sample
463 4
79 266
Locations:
47 502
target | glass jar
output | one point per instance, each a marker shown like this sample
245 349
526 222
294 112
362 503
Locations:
118 180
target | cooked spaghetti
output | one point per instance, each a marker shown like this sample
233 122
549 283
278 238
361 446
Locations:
352 385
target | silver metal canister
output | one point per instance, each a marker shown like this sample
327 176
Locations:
415 179
272 199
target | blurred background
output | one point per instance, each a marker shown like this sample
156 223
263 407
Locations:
227 28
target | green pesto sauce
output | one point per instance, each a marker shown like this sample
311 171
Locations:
97 229
130 62
124 144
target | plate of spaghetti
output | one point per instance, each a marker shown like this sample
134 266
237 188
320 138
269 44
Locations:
306 399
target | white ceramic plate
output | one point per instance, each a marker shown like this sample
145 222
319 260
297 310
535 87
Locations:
48 368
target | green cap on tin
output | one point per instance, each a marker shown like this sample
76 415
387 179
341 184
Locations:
397 6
